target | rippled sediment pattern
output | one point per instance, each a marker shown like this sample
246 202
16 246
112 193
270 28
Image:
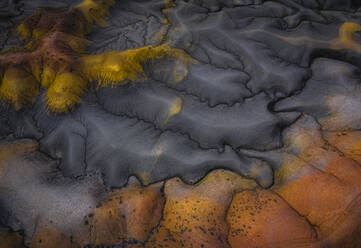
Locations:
180 123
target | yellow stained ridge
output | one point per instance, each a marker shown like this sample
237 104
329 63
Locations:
65 92
95 11
114 68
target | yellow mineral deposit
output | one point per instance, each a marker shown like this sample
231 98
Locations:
18 87
175 108
65 92
346 39
116 68
23 31
95 11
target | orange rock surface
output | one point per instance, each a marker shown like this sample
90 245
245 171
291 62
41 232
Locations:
126 214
